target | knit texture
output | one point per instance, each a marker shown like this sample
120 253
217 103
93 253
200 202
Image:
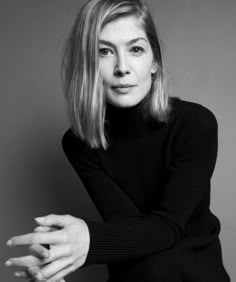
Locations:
152 190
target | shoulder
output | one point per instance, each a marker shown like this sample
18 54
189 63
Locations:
68 139
68 136
191 115
73 144
77 150
192 127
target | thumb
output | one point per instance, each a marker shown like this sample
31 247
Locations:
54 220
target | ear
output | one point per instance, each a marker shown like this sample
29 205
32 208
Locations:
154 67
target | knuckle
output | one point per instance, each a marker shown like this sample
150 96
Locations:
68 217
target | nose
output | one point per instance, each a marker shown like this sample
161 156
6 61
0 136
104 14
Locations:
122 67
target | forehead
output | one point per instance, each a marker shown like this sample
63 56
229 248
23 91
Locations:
123 29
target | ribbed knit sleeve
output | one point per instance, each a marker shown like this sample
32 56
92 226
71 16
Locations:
128 234
195 145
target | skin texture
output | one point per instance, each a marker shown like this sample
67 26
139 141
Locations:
69 245
125 60
125 57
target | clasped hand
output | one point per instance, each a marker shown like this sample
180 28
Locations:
69 240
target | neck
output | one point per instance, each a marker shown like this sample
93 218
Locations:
125 121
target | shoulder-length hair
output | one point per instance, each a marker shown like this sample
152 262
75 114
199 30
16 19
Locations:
82 81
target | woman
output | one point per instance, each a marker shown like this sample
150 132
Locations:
145 159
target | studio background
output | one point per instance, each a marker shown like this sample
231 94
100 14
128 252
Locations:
199 42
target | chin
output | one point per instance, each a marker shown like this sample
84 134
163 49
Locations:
124 101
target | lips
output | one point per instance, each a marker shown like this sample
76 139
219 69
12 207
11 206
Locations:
123 88
123 85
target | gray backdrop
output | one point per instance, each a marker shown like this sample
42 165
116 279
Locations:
36 179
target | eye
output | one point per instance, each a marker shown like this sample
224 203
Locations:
137 50
105 51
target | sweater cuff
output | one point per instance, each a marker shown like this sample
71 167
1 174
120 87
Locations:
113 242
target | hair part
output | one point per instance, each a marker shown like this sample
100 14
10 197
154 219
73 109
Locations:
83 86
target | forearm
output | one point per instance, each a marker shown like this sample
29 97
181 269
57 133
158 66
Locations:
129 239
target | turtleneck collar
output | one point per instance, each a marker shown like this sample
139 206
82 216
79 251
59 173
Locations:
126 121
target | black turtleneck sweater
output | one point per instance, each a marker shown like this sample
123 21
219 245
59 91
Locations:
152 189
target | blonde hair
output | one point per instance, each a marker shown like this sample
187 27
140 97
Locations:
83 85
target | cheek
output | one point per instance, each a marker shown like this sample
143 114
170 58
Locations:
143 70
103 71
144 74
106 71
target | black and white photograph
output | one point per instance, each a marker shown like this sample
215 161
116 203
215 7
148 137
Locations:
118 141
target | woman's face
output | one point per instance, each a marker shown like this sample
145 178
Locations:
126 62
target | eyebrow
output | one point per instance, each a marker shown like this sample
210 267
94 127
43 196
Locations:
132 41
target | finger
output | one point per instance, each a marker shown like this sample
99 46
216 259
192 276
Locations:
54 237
59 276
44 229
55 253
22 274
25 275
30 273
33 270
54 220
53 268
39 251
25 261
58 252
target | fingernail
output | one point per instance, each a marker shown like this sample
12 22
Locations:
9 242
8 263
17 274
39 219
